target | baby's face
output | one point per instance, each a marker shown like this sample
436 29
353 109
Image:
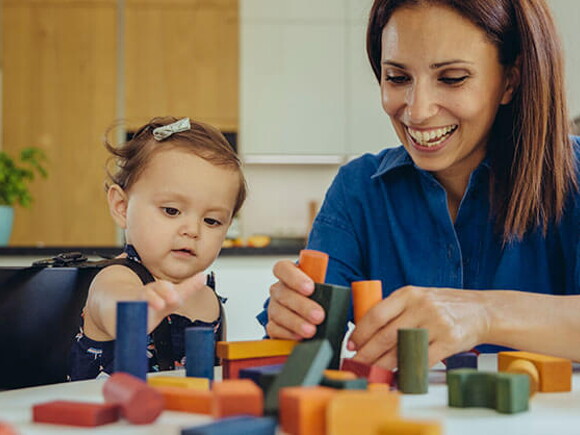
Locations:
178 212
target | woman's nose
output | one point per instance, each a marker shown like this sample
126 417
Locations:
421 104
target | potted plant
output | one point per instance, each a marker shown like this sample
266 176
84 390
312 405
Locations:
15 176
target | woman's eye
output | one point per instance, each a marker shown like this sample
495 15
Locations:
212 222
453 80
170 211
398 80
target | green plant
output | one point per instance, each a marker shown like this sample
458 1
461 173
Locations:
15 176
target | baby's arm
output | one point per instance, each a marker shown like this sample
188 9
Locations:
118 283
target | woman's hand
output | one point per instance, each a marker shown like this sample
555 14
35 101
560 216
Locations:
457 320
291 314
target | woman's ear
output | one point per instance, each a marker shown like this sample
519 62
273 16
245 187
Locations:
513 79
117 199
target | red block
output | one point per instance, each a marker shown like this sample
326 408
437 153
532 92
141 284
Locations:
75 413
231 367
140 403
237 397
373 373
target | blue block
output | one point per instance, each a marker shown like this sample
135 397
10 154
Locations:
242 425
255 373
465 360
199 352
131 340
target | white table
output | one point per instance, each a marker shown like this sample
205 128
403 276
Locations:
550 413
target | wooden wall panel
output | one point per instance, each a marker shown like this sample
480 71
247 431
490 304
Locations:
182 60
59 94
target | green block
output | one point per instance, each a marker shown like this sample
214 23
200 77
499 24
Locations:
513 392
345 384
413 360
335 300
304 367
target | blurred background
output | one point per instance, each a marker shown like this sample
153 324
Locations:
287 80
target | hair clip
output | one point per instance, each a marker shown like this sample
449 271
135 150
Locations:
165 131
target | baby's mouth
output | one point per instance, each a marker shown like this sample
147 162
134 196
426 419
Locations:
184 251
431 138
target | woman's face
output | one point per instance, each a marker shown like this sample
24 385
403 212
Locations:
441 85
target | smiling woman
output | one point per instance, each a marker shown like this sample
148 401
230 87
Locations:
482 194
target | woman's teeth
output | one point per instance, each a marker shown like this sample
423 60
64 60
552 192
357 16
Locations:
431 138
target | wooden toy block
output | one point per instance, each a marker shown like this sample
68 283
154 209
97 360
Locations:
335 300
410 427
378 387
75 413
231 368
256 374
413 360
345 384
360 412
6 429
131 339
464 360
233 350
175 381
365 295
555 373
314 264
304 367
199 352
303 409
507 393
140 403
186 399
528 368
237 397
235 425
373 373
339 375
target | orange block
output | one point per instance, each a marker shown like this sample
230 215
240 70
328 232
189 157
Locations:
409 427
339 375
555 373
177 381
527 368
187 399
373 386
365 295
314 264
303 409
360 411
237 397
254 349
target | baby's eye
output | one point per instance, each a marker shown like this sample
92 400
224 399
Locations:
170 211
212 222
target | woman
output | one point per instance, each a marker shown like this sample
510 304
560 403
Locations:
482 195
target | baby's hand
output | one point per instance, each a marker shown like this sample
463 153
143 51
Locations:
166 297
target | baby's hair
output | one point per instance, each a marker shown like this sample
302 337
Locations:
131 158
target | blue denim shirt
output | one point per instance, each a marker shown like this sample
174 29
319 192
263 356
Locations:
385 219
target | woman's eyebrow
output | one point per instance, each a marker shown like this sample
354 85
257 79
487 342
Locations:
432 66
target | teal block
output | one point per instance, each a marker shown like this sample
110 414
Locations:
345 384
513 392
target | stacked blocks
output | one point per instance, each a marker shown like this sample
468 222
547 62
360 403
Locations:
413 360
373 373
174 381
263 375
551 374
505 392
335 301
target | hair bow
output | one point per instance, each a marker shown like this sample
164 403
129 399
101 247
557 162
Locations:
165 131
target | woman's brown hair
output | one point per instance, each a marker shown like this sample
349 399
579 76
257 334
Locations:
203 140
533 162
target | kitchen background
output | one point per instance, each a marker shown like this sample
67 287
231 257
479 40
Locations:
290 77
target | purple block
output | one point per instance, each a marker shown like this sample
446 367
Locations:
255 373
465 360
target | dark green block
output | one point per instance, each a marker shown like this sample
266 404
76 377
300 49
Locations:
304 367
345 384
512 392
413 360
335 300
469 388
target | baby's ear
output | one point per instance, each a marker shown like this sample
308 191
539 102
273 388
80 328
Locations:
117 199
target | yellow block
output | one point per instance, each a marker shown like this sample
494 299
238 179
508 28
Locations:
360 411
373 386
254 349
175 381
339 375
555 373
409 427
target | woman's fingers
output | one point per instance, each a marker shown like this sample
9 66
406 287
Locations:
289 274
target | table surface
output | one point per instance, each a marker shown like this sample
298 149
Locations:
550 413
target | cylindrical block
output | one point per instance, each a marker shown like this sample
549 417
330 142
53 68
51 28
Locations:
131 340
527 368
314 264
199 352
413 360
365 295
